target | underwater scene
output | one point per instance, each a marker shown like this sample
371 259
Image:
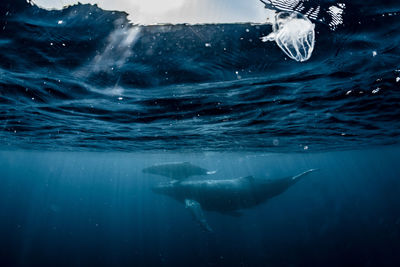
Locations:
187 137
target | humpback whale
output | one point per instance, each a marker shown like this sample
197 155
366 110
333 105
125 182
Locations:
228 196
177 170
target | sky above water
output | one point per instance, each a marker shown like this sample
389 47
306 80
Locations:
177 11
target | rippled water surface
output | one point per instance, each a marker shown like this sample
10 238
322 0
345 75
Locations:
87 79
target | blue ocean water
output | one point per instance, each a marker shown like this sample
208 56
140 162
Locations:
88 99
97 209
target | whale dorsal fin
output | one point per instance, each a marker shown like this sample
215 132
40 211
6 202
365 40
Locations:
198 214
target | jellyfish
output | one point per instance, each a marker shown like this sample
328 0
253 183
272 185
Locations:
294 34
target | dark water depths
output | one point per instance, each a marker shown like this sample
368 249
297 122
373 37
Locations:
88 99
91 209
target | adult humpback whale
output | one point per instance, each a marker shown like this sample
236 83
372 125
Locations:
227 196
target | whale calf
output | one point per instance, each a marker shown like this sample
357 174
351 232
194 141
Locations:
177 170
228 196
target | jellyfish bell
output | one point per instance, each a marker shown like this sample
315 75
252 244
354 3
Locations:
294 33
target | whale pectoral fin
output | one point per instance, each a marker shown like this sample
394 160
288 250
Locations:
198 214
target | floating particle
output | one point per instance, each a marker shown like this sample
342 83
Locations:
376 90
